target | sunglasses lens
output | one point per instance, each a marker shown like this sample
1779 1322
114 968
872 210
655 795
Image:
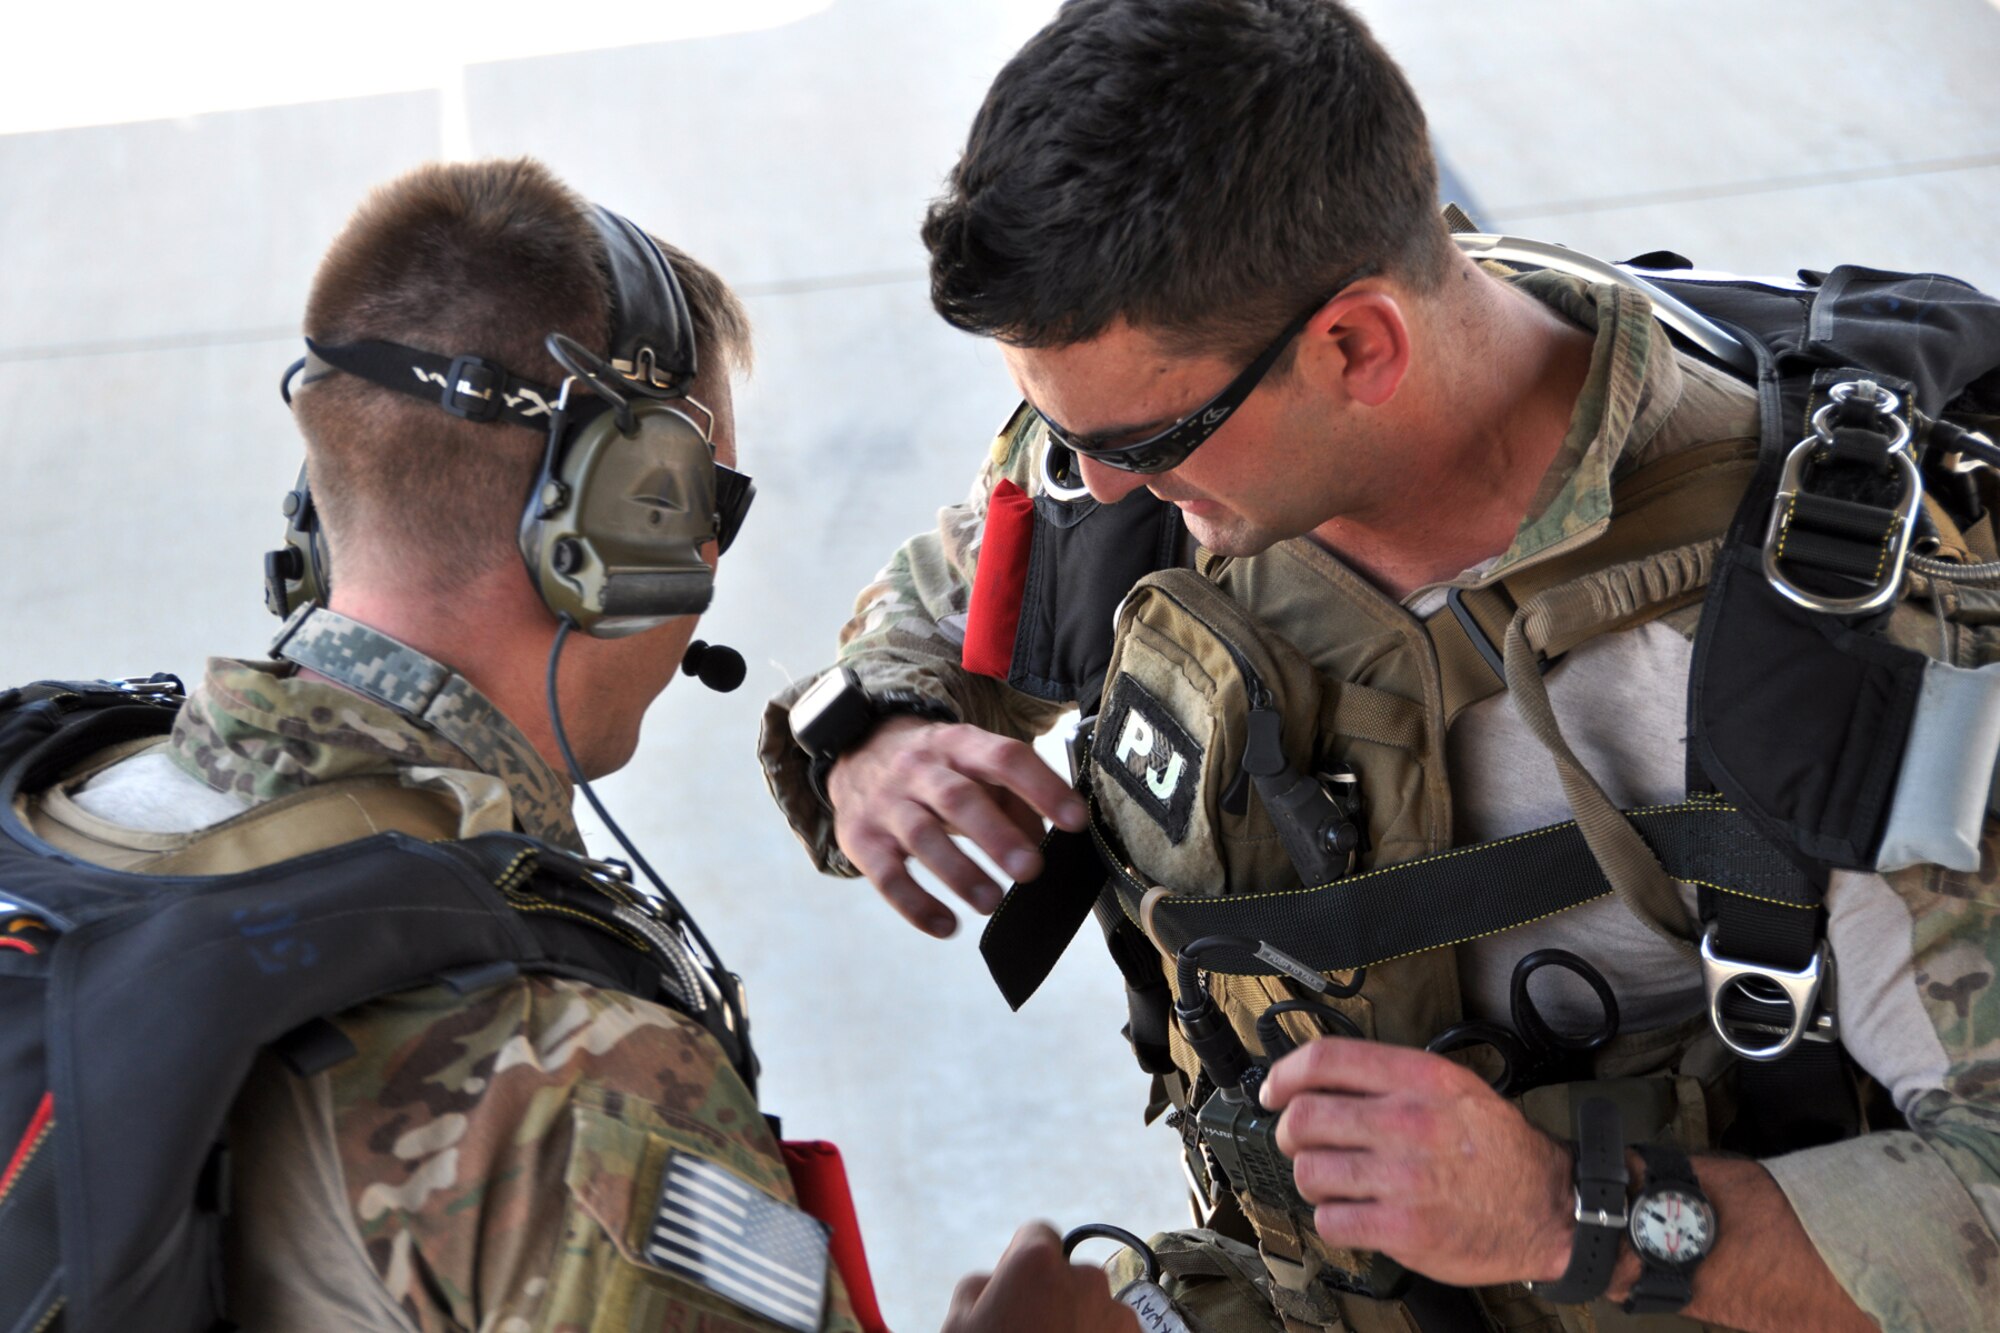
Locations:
733 493
1162 453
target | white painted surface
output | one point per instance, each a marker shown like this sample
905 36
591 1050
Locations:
151 274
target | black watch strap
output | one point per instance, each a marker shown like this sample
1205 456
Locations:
1661 1289
1600 1206
879 708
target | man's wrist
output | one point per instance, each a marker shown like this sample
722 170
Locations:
820 770
1556 1234
1628 1269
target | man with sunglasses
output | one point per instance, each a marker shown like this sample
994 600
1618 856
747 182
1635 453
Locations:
1206 237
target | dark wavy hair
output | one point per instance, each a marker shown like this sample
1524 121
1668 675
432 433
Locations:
1204 169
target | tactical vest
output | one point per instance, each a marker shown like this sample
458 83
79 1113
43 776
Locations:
133 1004
1265 762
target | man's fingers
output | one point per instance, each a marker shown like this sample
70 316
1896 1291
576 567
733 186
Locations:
1342 1120
881 860
1022 814
1344 1064
978 812
1363 1226
1016 767
1345 1175
965 1297
931 845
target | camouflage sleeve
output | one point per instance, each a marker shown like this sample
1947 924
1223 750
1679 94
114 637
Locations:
907 634
506 1156
1907 1219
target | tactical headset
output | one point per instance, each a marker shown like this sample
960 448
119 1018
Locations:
628 491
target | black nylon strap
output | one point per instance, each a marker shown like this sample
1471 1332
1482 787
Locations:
1600 1198
1148 999
1470 892
1407 908
1036 921
465 386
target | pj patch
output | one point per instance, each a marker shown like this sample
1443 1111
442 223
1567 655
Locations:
1150 755
753 1251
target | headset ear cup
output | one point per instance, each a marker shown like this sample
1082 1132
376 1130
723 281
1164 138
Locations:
614 532
297 573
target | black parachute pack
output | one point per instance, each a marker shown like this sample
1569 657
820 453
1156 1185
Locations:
131 1009
1874 390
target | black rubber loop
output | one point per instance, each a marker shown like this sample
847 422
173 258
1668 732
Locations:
1105 1231
1528 1020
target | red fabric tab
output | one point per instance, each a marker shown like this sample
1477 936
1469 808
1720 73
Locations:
994 616
820 1178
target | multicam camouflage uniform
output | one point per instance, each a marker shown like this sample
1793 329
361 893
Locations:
1906 1220
483 1162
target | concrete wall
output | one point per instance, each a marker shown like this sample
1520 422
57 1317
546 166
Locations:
153 273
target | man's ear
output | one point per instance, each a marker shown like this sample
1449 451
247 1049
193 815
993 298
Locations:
1361 339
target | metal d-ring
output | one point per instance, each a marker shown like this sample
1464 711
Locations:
1822 422
1890 580
1052 486
1799 992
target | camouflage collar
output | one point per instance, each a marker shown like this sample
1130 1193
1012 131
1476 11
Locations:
1631 388
261 731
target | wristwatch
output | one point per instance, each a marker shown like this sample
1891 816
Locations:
1600 1206
836 714
1673 1229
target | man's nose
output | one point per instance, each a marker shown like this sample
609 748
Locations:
1108 485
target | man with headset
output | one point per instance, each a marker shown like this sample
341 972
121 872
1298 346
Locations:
507 1152
1205 233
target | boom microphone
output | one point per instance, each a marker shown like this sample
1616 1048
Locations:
715 665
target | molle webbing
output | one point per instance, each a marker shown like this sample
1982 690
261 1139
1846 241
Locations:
1460 895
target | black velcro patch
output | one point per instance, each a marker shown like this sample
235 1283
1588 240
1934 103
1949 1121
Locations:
1150 755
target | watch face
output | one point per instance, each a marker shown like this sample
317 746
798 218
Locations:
1672 1226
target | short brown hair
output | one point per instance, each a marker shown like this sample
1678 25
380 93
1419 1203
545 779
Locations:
481 259
1202 169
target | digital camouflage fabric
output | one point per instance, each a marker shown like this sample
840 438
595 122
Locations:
260 731
490 1161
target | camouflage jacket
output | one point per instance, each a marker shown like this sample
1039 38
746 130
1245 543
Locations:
1939 949
494 1161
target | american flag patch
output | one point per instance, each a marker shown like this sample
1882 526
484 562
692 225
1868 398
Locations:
739 1243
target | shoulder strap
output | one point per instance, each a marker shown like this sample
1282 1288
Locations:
322 816
1663 515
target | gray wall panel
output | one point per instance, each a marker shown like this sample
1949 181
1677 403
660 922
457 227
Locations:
182 228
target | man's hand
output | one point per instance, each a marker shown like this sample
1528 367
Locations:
913 783
1034 1287
1405 1152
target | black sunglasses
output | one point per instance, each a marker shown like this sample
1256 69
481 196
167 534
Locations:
1168 449
733 493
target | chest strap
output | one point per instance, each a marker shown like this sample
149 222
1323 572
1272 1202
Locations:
1460 895
1431 902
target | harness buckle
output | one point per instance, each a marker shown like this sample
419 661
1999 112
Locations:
162 687
472 389
1770 1000
1855 540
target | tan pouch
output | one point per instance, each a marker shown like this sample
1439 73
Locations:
1167 754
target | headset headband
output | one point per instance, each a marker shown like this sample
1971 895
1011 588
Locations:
652 345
